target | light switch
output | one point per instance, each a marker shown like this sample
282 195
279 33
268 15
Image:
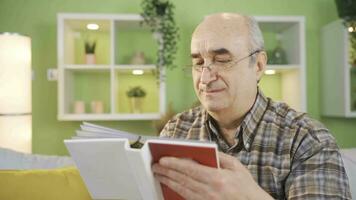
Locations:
52 74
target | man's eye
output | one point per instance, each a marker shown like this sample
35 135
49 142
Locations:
223 61
198 63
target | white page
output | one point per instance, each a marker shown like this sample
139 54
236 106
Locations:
105 130
104 167
90 134
91 128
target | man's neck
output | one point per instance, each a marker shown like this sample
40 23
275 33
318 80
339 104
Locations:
227 128
227 120
230 119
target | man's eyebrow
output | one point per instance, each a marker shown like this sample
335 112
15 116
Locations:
220 51
214 51
195 55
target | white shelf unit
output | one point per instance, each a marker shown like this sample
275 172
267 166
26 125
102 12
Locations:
288 84
338 76
108 80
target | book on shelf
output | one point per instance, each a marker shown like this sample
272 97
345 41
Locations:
116 164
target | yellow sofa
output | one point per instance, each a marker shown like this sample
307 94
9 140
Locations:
39 177
42 184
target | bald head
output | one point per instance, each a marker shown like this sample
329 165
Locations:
243 29
221 24
219 44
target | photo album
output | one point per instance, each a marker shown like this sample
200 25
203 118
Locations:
116 164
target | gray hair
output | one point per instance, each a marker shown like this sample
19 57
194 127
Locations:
255 36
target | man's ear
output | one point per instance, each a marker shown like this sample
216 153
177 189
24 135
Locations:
261 64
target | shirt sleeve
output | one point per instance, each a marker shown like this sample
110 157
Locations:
317 170
168 129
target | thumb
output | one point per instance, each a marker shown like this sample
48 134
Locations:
229 162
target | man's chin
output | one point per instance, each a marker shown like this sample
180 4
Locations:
214 107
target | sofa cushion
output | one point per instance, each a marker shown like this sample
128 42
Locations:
10 159
349 158
44 184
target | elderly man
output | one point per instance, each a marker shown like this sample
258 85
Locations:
270 151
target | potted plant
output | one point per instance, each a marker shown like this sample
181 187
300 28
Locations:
347 11
136 95
352 59
90 52
159 16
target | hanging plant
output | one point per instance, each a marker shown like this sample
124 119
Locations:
347 11
352 59
159 16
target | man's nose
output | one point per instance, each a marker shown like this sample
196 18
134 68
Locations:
207 75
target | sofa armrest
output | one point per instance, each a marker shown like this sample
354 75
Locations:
349 158
10 159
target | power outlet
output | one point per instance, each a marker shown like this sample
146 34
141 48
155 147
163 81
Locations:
52 74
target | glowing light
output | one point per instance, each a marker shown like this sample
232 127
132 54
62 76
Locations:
137 72
351 29
15 95
92 26
270 72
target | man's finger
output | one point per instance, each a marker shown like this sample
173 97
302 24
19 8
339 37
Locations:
229 162
190 168
183 179
185 192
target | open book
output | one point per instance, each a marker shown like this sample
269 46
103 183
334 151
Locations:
112 169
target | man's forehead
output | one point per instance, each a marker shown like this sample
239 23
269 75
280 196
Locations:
222 23
220 31
217 45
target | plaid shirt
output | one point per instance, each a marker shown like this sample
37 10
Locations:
290 155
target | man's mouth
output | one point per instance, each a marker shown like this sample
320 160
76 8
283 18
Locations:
213 91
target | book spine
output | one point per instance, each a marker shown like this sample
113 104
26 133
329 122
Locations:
140 161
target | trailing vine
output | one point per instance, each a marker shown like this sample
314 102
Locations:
159 16
347 11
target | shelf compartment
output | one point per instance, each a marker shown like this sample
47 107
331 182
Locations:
284 85
290 41
338 76
134 43
76 34
125 79
87 86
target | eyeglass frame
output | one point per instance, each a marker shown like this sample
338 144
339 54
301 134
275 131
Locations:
229 65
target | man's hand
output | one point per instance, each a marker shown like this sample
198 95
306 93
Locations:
194 181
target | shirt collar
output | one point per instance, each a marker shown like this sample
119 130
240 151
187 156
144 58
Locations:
250 121
253 118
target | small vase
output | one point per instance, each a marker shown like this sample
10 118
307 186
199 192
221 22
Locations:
279 56
90 59
97 107
79 107
138 58
136 104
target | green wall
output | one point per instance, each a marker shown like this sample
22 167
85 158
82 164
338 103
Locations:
37 19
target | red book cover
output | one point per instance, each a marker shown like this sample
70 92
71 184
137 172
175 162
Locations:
205 155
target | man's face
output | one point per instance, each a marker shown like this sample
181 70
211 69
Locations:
232 88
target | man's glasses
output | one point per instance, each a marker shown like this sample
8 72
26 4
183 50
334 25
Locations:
218 65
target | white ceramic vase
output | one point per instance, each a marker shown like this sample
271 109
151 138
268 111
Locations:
90 59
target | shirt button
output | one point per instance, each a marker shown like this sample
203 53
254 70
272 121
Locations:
247 146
